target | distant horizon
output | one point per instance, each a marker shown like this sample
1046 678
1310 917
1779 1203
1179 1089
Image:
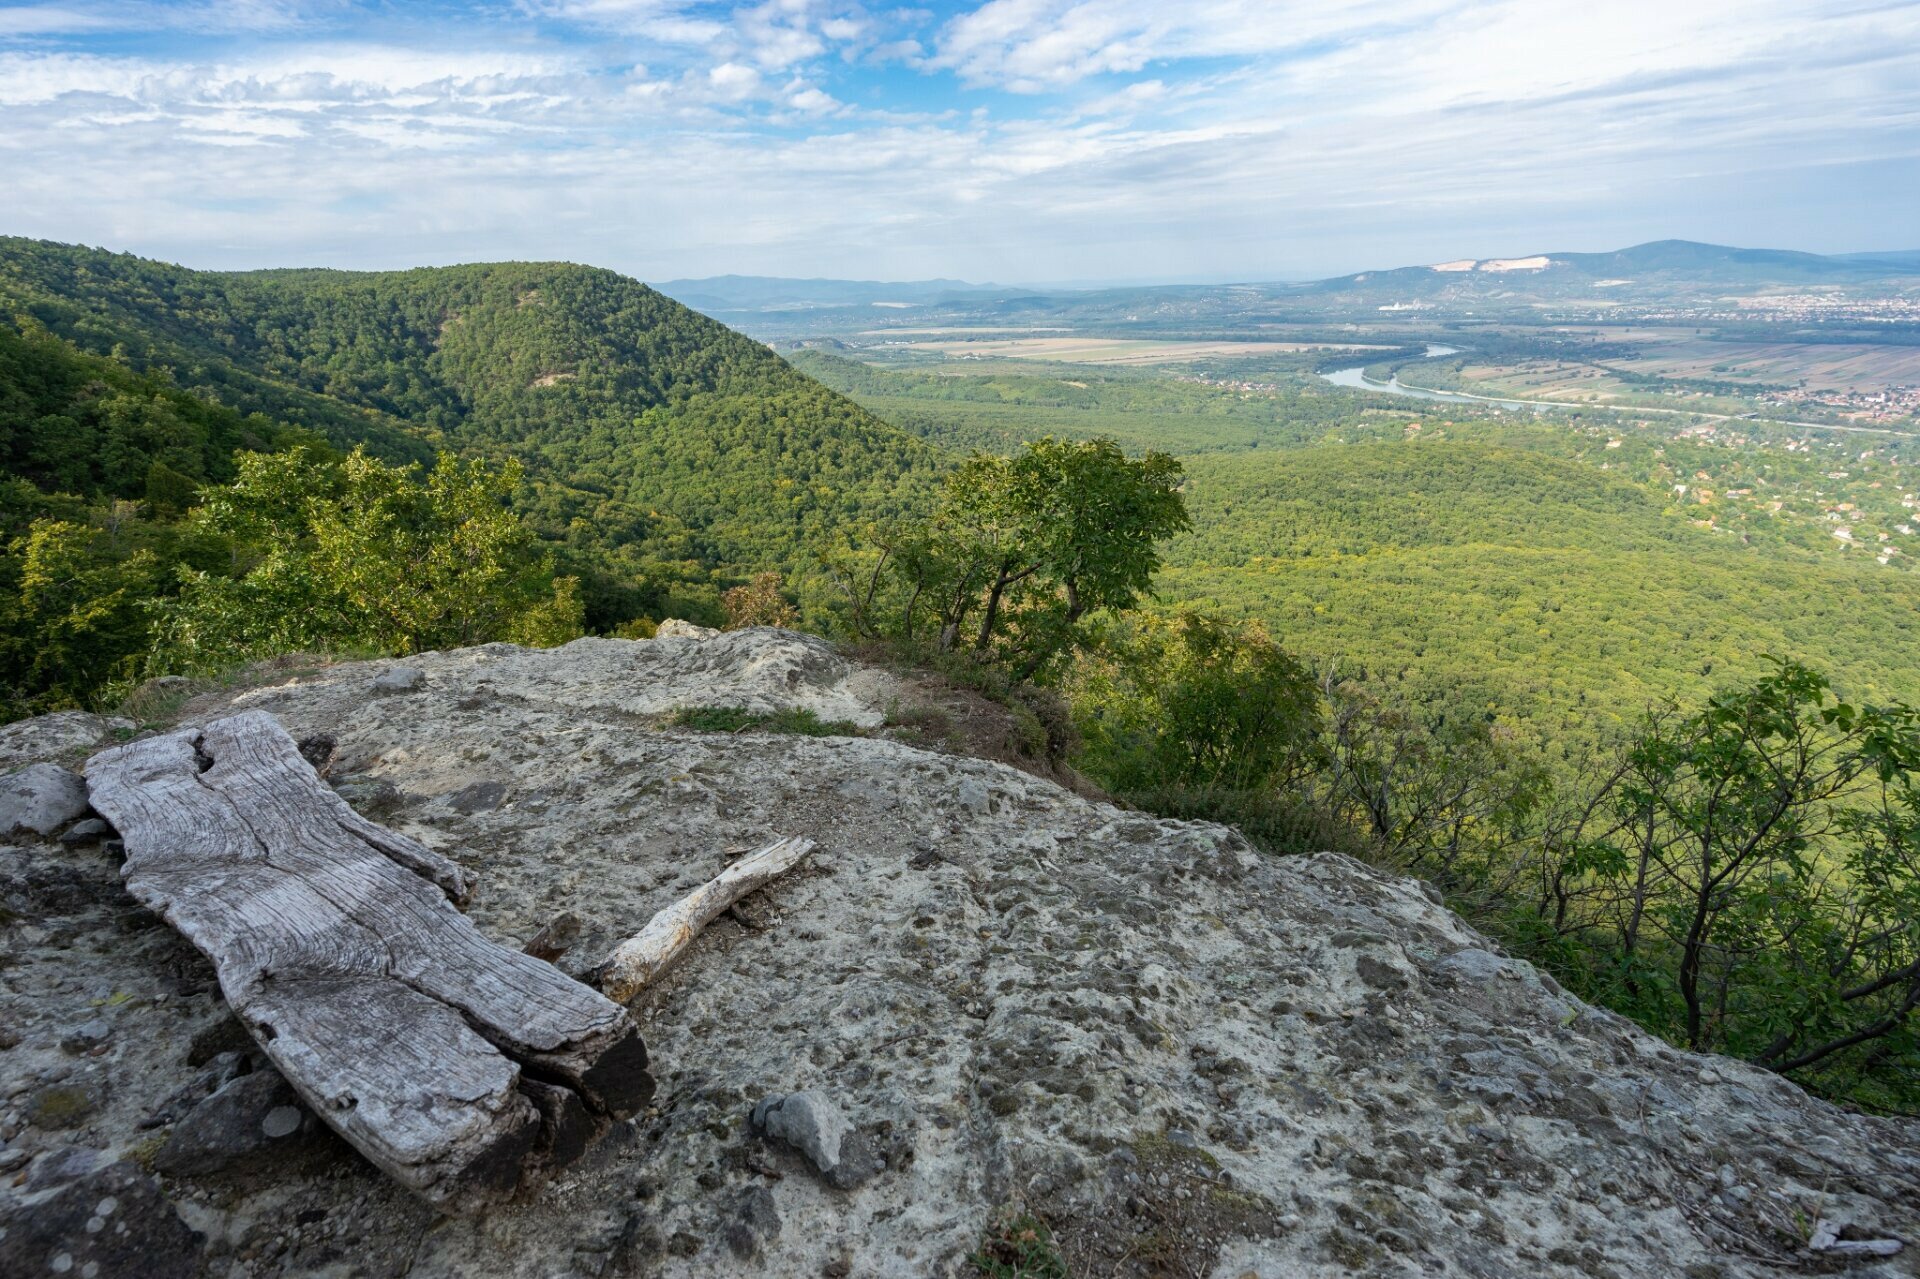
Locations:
1083 141
1081 285
1176 282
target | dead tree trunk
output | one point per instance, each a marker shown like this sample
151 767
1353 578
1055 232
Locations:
452 1063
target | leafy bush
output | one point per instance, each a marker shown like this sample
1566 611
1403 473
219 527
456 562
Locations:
1746 879
1197 704
362 554
759 603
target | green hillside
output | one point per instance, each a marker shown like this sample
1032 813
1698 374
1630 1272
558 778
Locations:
1496 580
996 405
649 431
1543 574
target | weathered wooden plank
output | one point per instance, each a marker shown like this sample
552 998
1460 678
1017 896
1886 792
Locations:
338 944
641 959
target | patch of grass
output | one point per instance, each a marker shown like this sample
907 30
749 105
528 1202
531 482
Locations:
1276 821
931 721
735 719
1024 724
1020 1247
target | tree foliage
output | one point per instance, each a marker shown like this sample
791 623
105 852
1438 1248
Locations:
360 554
1022 550
1199 703
1747 880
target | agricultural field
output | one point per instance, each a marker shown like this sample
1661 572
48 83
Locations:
1119 351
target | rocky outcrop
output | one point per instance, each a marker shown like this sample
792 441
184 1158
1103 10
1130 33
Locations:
40 799
982 990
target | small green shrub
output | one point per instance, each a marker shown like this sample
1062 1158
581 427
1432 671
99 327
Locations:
1020 1247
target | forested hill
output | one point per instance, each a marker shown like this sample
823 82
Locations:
650 432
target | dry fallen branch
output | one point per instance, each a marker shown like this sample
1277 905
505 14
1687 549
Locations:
639 961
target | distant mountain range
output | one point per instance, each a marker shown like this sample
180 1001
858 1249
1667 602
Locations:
1659 263
1653 272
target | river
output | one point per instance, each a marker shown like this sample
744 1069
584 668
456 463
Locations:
1357 379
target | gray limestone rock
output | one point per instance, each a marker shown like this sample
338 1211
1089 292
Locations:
674 628
90 831
57 737
253 1118
107 1222
400 679
40 799
1137 1029
812 1124
88 1035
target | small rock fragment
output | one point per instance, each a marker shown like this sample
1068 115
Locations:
400 679
813 1125
1826 1238
87 1035
90 831
974 796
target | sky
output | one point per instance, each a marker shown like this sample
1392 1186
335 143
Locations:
1012 141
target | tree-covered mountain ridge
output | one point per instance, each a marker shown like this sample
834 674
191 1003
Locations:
649 432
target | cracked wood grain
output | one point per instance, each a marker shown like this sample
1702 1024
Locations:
452 1063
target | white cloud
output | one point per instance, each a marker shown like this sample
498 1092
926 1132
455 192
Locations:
731 80
1030 45
1225 137
811 101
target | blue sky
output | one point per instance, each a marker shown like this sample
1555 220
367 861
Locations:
1012 140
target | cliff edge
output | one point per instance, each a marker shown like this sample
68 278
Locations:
982 993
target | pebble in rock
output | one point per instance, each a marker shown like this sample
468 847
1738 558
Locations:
755 1220
400 679
975 797
813 1125
87 1035
107 1222
90 831
40 799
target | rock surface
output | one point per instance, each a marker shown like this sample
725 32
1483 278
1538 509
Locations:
254 1118
1188 1058
61 737
40 799
93 1222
